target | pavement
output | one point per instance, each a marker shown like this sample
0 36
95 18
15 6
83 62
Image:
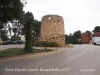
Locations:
78 60
3 47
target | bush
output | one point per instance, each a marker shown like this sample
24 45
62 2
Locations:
45 44
10 52
1 42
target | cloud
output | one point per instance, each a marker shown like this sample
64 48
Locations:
78 14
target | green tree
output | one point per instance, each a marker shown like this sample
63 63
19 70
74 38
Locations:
10 10
76 36
15 31
36 29
73 38
14 38
96 29
69 39
28 31
89 32
3 35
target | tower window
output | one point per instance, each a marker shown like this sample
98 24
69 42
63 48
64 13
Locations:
49 18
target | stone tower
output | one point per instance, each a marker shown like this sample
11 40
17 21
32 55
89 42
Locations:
52 29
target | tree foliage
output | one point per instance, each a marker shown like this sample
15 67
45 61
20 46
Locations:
36 29
10 10
76 36
3 35
73 38
96 29
28 31
89 32
69 38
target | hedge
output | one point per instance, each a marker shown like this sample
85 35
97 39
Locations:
45 44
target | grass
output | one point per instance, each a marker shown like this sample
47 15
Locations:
18 51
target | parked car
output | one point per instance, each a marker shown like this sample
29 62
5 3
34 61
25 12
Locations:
7 42
18 42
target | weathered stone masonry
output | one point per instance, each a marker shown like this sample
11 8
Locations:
52 29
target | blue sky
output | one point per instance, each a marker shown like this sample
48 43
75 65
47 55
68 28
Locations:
77 14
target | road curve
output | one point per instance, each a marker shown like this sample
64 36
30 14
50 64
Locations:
78 60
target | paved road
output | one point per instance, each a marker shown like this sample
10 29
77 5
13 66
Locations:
3 47
79 60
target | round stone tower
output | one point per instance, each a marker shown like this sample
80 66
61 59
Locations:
52 29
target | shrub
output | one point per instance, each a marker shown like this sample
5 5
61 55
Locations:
10 52
1 42
45 44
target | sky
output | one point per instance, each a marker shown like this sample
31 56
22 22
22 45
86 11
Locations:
80 15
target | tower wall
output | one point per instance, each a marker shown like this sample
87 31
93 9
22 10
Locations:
52 29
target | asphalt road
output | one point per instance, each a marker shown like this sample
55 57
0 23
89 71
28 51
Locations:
79 60
3 47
